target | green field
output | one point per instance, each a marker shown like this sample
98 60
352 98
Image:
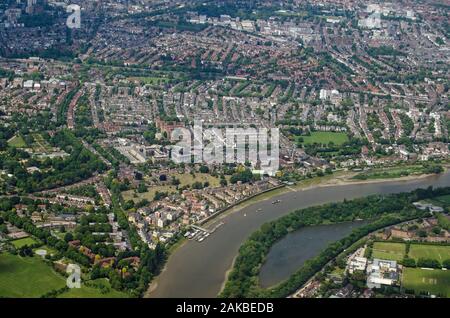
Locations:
149 195
433 281
17 141
93 291
23 241
151 80
27 277
324 137
438 252
185 179
391 172
188 179
388 250
40 144
445 199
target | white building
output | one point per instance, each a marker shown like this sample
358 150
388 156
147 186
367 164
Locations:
382 273
357 264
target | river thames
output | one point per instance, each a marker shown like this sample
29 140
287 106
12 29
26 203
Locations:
198 269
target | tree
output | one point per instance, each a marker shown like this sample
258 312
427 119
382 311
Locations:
175 181
197 185
422 233
409 262
446 263
428 262
25 251
142 187
204 169
358 279
68 237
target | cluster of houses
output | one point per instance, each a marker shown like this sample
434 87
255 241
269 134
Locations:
95 259
160 220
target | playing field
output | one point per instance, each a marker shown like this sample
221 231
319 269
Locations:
23 241
445 199
438 252
325 137
94 292
388 250
434 281
27 277
17 141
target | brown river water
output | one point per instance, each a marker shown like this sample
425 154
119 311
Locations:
198 269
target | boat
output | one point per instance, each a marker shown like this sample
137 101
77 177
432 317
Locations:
276 201
259 210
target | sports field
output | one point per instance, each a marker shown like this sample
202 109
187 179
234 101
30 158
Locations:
27 277
388 250
23 241
438 252
444 199
434 281
325 137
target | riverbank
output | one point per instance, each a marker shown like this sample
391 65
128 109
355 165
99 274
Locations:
245 276
214 215
199 269
339 178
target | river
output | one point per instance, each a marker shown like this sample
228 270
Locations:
288 254
199 269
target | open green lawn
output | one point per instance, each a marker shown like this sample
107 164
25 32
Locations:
388 250
188 179
151 80
149 195
27 276
23 241
390 172
438 252
93 291
445 199
434 281
324 137
185 179
17 141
